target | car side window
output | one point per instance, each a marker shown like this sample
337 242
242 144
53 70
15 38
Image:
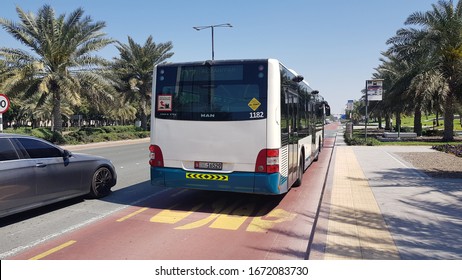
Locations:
39 149
7 150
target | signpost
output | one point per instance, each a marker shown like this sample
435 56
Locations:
374 90
4 106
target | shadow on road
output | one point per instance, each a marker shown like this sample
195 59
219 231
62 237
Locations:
145 195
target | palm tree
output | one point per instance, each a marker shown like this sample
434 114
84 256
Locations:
358 111
423 89
122 110
61 64
397 75
440 40
135 67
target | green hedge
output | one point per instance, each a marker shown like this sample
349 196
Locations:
85 134
106 133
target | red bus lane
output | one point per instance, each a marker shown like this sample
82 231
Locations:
190 224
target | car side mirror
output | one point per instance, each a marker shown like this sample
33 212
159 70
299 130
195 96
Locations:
327 110
298 78
66 154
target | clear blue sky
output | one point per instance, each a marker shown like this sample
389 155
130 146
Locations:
334 44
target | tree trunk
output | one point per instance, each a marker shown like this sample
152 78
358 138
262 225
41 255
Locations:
143 114
418 122
449 118
35 123
387 122
57 122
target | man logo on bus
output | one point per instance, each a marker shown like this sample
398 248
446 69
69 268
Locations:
164 103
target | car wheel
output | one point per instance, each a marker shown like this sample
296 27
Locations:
101 182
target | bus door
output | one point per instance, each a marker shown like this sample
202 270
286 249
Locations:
292 103
314 129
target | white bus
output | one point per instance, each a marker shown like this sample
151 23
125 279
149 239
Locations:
248 126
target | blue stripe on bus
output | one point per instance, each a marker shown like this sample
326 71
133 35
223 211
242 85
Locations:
247 182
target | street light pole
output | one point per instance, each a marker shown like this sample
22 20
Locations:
212 27
213 44
365 125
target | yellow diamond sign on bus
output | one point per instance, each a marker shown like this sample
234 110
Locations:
254 104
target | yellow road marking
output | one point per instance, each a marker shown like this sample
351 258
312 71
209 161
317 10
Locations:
55 249
168 216
234 220
199 223
217 206
132 214
225 217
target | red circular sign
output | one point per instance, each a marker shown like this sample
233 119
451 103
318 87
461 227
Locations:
4 103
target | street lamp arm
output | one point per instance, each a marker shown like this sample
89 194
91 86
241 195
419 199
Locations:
198 28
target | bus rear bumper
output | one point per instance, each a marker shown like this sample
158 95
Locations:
245 182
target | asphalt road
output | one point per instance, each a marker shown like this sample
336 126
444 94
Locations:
138 221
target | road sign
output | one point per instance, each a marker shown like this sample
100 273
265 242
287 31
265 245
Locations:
4 103
374 89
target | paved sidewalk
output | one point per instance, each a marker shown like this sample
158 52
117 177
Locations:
356 228
378 206
106 144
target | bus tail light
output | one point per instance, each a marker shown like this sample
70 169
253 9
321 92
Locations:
156 159
267 161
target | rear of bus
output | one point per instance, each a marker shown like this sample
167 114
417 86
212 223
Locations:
215 126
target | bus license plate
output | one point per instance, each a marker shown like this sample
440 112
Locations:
208 165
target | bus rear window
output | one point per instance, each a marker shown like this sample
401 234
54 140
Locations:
223 92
